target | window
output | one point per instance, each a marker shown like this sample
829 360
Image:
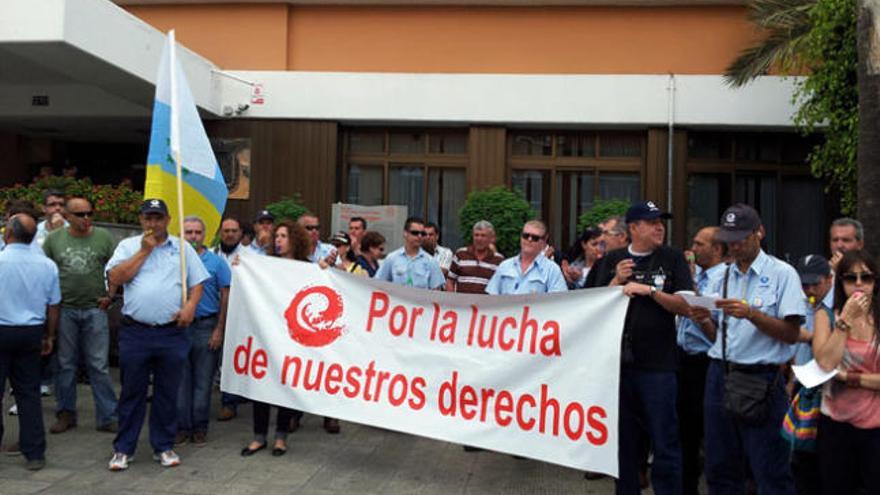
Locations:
561 174
424 170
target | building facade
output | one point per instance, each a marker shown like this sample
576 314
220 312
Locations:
423 101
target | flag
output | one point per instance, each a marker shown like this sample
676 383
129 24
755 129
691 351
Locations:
177 134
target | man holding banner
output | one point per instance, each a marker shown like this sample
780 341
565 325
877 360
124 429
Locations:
529 272
411 265
650 273
152 338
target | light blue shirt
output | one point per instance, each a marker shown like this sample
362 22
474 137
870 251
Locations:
690 338
153 295
29 282
420 271
772 287
322 250
542 276
804 350
220 277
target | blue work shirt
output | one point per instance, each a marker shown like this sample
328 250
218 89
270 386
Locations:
322 250
542 276
29 283
772 287
220 277
804 350
420 271
690 338
153 295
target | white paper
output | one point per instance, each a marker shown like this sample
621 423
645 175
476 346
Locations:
811 374
692 299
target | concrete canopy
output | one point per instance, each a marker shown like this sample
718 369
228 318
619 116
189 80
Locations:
85 69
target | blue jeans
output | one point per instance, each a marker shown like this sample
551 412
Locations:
162 352
648 405
85 331
730 444
194 400
20 362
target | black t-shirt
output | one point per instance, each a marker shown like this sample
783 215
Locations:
649 331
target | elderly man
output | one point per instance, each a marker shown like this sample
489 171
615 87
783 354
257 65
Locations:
205 337
81 251
846 234
29 298
153 336
651 273
529 272
763 306
411 265
473 266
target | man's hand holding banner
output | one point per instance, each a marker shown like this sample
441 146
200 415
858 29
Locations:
535 376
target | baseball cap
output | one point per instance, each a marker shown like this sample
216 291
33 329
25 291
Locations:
154 205
812 268
265 215
341 238
645 210
738 222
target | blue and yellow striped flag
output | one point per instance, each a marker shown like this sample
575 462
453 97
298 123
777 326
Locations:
178 134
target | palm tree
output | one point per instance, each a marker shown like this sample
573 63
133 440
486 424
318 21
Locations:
785 24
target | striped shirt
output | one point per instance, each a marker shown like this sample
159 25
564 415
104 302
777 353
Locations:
470 274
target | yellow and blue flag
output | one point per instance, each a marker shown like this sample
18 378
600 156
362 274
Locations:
177 134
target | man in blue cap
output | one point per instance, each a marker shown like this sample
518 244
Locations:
153 335
763 306
651 273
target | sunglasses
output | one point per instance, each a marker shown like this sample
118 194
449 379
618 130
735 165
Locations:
419 233
532 237
312 227
83 214
853 277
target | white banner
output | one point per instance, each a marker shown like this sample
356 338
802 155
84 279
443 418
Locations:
387 220
534 375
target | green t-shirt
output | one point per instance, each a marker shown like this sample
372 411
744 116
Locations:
81 262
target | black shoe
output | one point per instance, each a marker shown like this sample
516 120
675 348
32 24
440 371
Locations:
247 451
278 452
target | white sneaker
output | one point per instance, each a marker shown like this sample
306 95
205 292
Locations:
119 462
13 411
44 391
169 458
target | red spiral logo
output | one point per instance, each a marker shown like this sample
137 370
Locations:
313 316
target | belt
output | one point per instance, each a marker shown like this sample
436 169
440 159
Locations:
750 368
128 320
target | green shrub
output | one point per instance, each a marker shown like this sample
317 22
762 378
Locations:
290 207
507 211
602 209
113 204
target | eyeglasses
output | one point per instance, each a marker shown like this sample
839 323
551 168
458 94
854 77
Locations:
83 214
532 237
419 233
312 227
854 277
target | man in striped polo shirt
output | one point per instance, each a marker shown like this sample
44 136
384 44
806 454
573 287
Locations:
474 265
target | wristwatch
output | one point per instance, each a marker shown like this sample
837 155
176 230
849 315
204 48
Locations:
653 291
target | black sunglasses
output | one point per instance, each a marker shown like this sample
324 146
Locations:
313 227
83 214
853 277
532 237
420 233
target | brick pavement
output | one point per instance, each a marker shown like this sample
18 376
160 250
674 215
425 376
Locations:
362 460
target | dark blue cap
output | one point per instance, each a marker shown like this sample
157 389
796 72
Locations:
645 210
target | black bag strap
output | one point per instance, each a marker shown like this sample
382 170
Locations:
724 321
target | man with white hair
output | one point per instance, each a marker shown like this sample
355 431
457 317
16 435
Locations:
472 266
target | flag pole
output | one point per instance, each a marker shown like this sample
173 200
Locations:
175 143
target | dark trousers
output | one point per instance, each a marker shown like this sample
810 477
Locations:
848 457
691 389
20 362
261 420
142 351
731 444
647 404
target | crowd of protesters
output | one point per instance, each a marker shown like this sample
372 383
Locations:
705 391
